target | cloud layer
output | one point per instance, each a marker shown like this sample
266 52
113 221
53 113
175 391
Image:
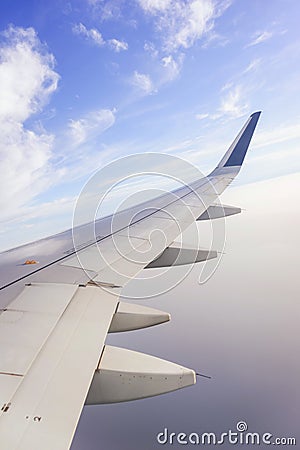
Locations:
27 79
28 153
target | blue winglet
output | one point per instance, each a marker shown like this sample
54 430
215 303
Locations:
240 146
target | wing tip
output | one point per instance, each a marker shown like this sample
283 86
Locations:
239 148
256 114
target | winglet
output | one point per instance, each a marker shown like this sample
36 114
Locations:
238 149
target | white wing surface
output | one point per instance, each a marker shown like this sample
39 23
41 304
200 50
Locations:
58 304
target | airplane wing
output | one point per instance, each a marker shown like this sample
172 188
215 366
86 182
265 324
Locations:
59 302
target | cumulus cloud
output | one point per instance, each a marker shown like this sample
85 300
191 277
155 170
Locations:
172 66
169 68
259 37
233 103
27 80
91 126
154 6
106 10
142 82
117 45
26 74
150 48
93 35
181 23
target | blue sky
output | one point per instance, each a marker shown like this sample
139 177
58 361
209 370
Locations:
88 81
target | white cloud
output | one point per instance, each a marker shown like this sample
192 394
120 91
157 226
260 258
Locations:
233 104
31 160
142 82
202 116
151 49
94 2
182 23
94 35
172 67
167 67
154 6
106 10
253 65
179 24
260 37
226 86
91 126
27 80
91 34
117 45
215 39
